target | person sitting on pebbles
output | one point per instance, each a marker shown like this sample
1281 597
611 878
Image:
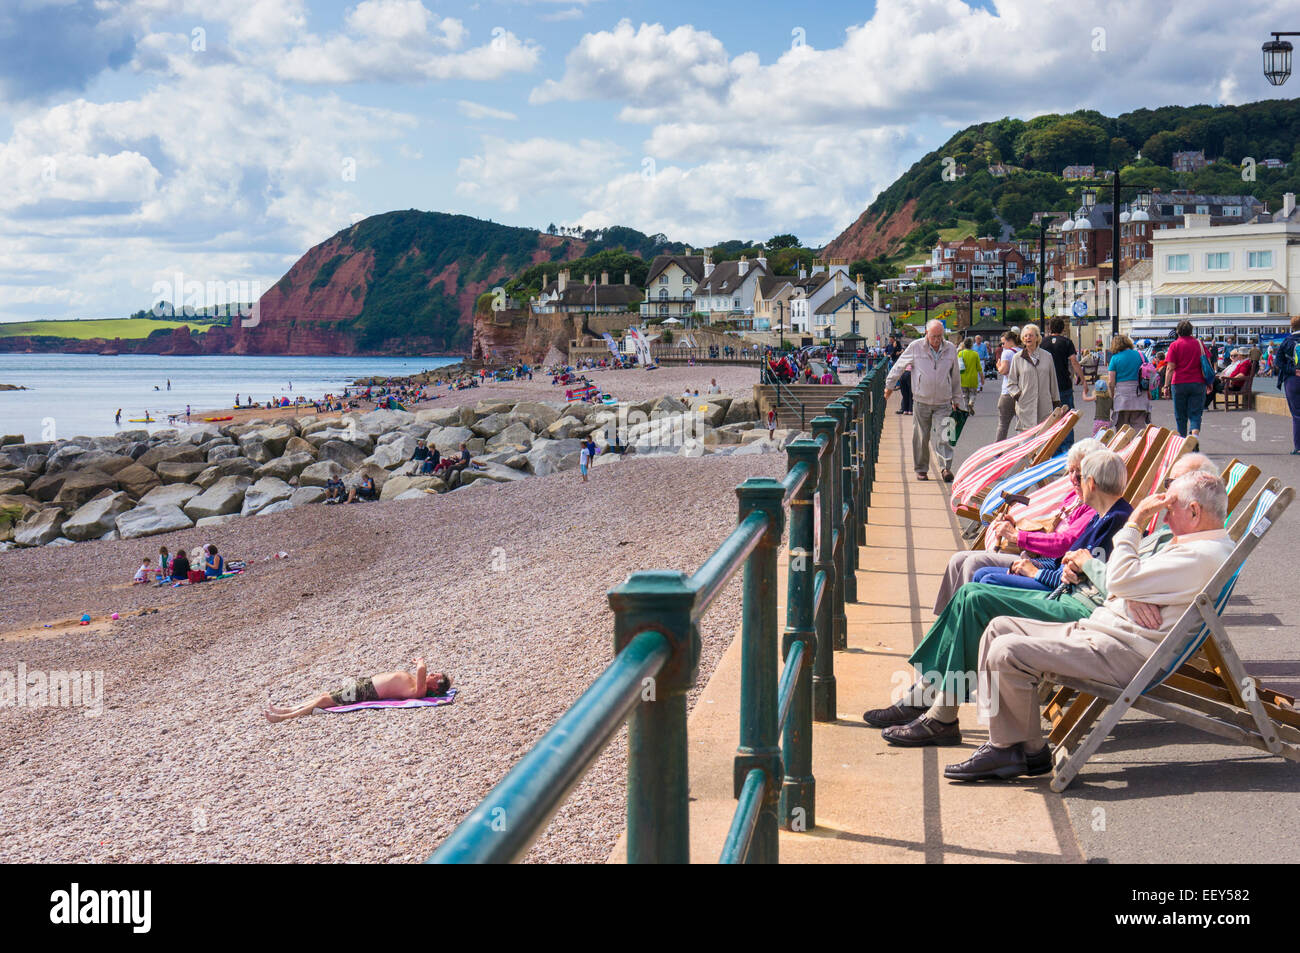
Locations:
386 686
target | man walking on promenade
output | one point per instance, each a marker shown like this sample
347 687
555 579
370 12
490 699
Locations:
936 392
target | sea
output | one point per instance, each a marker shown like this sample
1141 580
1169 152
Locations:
72 395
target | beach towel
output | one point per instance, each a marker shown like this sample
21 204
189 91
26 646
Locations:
432 702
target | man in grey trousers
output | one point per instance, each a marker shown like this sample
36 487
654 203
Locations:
936 392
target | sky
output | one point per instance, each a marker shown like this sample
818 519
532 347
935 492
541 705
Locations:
148 142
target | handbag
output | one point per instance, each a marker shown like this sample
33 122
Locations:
1207 369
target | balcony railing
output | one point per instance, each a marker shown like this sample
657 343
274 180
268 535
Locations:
825 494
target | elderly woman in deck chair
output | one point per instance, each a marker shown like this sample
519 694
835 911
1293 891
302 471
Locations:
1039 540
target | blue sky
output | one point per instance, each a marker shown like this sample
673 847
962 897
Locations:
222 138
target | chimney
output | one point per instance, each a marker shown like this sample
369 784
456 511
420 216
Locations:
875 297
803 272
862 288
838 278
586 279
604 277
742 266
708 264
1288 204
627 277
762 257
688 249
1196 221
562 280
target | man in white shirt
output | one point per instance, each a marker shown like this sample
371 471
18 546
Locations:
1146 597
936 392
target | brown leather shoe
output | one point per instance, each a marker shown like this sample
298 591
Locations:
899 714
920 475
947 475
923 733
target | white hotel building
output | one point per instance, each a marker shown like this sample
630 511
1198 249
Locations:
1233 282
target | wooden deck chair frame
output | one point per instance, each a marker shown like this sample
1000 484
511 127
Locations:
1243 716
971 509
1063 709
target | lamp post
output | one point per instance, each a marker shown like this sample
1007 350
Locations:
1277 58
1043 220
780 323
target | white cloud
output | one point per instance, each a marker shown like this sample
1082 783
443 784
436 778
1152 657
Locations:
507 172
569 13
478 111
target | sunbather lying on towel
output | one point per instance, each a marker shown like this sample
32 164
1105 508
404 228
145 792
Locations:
386 686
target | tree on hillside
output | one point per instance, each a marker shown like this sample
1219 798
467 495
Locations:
785 240
1066 142
1160 148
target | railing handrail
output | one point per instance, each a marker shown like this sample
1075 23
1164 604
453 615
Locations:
657 651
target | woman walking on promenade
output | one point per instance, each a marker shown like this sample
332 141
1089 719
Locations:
1288 378
1031 381
1132 406
1006 402
1187 379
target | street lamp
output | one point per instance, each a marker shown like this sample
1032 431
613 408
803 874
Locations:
1043 219
780 323
1277 59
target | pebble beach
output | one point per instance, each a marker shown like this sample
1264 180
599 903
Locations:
502 586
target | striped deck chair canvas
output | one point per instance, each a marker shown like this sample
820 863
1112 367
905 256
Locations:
1048 500
969 494
1022 482
1228 711
986 453
1152 482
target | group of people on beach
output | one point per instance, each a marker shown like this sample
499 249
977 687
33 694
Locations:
205 562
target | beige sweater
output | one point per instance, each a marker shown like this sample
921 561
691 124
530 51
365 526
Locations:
1171 579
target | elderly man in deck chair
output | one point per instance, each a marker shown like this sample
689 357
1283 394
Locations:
1146 598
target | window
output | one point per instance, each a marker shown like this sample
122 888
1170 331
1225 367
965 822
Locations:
1232 304
1178 210
663 293
1233 211
1259 259
663 279
1178 262
1218 261
1202 210
686 293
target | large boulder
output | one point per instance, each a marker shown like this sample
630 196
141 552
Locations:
552 456
223 452
742 409
299 445
306 495
446 416
176 471
346 455
714 409
82 486
381 421
517 436
376 473
397 485
179 452
264 445
495 472
394 453
564 427
174 494
46 487
40 528
286 467
667 407
487 406
65 457
148 520
536 416
137 480
449 439
491 425
215 520
109 463
92 520
263 493
319 473
9 485
224 496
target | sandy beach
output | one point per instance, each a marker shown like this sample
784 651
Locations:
503 586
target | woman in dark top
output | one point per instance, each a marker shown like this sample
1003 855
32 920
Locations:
180 566
1288 378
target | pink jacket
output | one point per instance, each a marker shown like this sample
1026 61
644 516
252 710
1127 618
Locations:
1070 527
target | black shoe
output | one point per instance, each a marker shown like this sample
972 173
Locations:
988 763
923 733
899 714
1039 762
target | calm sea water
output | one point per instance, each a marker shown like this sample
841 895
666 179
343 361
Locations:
78 394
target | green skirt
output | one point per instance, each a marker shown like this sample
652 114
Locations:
950 650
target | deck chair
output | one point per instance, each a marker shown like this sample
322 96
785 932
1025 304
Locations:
1239 478
1047 501
986 453
967 500
1152 480
1235 708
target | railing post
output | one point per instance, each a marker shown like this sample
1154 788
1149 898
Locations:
658 789
799 789
842 411
878 401
861 404
824 709
759 735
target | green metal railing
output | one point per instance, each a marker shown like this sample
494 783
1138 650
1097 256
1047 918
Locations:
826 491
